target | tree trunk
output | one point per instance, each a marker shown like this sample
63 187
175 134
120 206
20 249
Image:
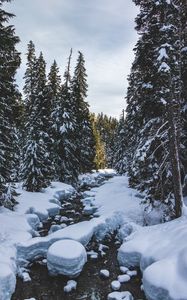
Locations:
174 158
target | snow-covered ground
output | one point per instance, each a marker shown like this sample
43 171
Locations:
19 226
160 250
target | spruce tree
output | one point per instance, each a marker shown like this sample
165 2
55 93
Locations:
37 168
9 62
30 80
85 144
66 162
107 127
153 110
100 155
120 163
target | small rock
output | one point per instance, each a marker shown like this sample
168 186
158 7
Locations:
124 269
120 296
105 273
70 286
88 210
26 277
115 285
64 219
123 278
54 228
57 217
44 261
132 273
92 254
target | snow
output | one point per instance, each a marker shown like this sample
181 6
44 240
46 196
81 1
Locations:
124 269
120 296
105 273
20 226
96 177
162 54
113 211
43 203
116 203
132 273
123 278
115 285
71 285
66 257
161 253
164 67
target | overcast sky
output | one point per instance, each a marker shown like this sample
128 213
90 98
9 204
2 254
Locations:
102 29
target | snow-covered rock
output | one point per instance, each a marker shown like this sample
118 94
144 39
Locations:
66 257
120 296
132 273
70 286
123 278
26 277
89 210
115 285
54 228
124 269
64 219
105 273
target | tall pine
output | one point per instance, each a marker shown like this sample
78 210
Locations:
37 167
9 62
85 144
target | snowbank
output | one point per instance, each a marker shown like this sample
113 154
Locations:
96 177
81 232
46 203
19 226
161 252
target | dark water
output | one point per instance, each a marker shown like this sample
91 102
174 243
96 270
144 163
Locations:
89 284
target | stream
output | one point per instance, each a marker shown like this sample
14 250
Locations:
90 285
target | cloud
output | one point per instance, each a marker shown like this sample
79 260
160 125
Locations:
102 29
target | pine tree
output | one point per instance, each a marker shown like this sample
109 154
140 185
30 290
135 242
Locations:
100 155
9 62
65 131
120 163
30 80
84 134
54 93
153 110
107 128
184 93
37 167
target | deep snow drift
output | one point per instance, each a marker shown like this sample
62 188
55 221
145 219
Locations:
161 252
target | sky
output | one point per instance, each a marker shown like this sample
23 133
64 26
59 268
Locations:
103 30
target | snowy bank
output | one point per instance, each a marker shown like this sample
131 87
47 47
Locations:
46 203
19 226
95 178
161 253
